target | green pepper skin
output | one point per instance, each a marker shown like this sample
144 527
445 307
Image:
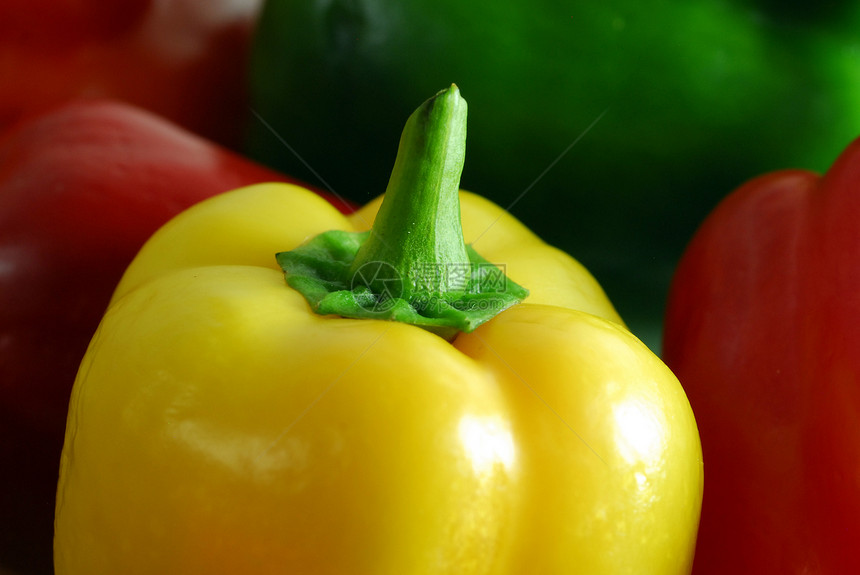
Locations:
692 99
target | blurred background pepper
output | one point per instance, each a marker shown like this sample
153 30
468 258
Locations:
762 328
622 122
183 59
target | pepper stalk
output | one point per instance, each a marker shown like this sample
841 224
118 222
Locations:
414 265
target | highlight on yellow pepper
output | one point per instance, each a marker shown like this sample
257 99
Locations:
432 389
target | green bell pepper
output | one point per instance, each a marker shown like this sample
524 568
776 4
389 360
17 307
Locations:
619 123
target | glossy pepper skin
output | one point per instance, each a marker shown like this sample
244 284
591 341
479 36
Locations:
252 433
182 59
678 91
762 330
81 189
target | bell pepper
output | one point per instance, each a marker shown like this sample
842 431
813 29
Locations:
762 330
81 188
620 123
352 405
183 59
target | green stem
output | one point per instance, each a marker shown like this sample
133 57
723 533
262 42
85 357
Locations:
413 266
417 230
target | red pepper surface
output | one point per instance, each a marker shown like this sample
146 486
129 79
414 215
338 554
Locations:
184 59
81 189
763 331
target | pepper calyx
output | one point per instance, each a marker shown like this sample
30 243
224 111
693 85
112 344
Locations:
413 266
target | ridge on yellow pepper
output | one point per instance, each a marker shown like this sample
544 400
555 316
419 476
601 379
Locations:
219 425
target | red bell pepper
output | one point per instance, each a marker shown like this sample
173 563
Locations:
763 331
81 189
184 59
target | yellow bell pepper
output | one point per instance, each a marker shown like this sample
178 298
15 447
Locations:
219 425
